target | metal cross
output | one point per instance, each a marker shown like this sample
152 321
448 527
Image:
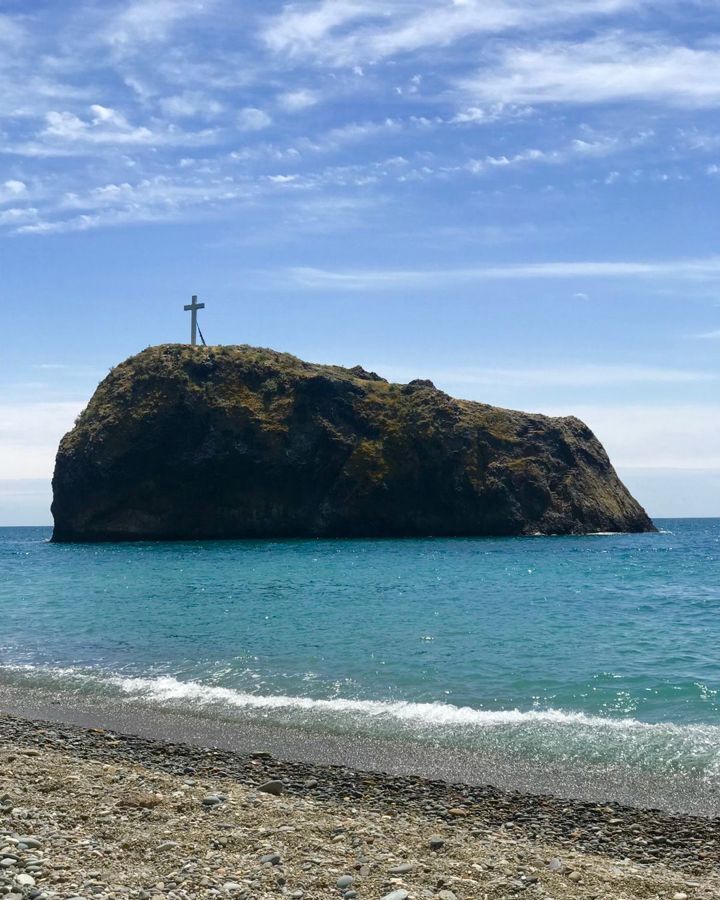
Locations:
193 308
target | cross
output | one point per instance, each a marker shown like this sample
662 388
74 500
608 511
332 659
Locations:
193 308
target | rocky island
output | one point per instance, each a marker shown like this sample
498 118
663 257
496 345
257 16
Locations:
183 442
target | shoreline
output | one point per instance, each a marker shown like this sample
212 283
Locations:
679 795
91 812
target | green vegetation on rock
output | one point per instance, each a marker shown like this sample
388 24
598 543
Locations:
186 442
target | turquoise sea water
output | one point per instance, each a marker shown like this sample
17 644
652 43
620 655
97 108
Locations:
601 649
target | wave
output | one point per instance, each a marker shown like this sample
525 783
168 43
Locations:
545 736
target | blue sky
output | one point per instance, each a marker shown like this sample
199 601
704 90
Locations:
516 199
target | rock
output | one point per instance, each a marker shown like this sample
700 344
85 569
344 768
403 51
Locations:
231 887
25 880
556 865
575 876
168 845
446 895
272 787
436 842
270 859
211 800
458 812
396 895
344 881
219 442
680 896
402 869
29 843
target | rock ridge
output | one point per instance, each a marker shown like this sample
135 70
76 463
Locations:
186 443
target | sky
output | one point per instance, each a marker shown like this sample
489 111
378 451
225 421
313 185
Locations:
515 198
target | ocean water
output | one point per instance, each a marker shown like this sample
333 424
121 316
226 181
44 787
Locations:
565 652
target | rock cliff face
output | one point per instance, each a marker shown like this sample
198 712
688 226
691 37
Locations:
184 442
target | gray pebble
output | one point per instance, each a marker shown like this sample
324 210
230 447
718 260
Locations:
396 895
168 845
211 800
344 881
556 865
272 787
271 858
29 843
436 842
402 869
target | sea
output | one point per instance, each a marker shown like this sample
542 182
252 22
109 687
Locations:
546 662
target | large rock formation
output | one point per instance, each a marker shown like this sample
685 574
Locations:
219 442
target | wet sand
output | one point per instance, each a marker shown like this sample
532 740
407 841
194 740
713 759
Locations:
425 759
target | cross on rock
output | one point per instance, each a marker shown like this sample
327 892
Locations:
193 308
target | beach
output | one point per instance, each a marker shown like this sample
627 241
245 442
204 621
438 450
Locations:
95 813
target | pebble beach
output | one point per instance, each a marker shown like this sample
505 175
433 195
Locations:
90 813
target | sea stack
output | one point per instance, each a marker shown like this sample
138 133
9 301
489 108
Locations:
184 443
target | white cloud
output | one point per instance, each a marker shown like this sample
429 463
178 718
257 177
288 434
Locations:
29 437
104 127
190 104
662 436
389 279
253 119
66 133
605 69
17 215
11 190
347 33
296 101
709 335
146 21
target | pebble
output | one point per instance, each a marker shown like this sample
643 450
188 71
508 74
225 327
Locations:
168 845
680 896
575 876
344 881
211 800
232 886
402 869
436 842
396 895
25 880
29 843
270 858
446 895
272 787
556 865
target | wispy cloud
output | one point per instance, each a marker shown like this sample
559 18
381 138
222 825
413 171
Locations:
709 335
390 279
582 375
605 69
147 21
346 32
